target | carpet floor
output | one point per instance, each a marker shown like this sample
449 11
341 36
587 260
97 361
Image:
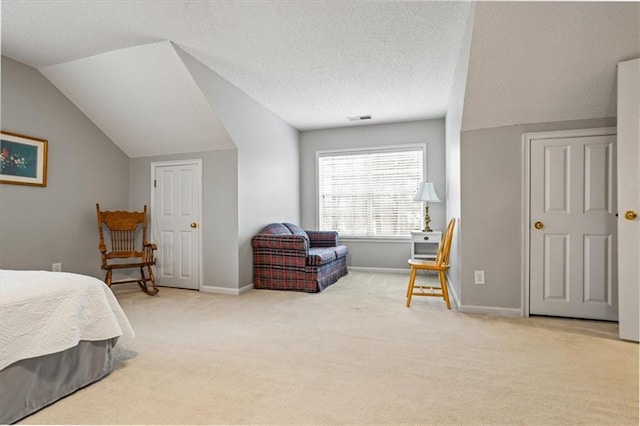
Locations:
353 354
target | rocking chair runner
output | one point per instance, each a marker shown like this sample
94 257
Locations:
123 229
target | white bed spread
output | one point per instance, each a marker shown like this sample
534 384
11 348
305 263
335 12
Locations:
45 312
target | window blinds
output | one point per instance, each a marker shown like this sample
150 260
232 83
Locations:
370 193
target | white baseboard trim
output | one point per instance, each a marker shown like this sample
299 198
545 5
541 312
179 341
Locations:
246 288
225 290
491 310
383 270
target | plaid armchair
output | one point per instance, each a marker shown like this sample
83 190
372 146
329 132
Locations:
286 257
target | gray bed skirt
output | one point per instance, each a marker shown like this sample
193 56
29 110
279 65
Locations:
31 384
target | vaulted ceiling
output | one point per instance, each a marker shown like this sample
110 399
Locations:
144 99
311 63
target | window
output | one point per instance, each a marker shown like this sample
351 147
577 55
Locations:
369 193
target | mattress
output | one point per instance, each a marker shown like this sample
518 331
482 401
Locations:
44 312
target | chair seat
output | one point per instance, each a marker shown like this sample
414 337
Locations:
421 262
426 264
128 265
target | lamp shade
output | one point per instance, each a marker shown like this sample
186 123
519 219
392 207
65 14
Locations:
427 192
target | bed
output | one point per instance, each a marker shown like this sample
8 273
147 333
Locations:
59 332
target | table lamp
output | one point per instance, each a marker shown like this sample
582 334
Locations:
427 193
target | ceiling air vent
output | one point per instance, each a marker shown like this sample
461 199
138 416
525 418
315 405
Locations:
359 117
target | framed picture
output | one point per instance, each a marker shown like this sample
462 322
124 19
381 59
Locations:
23 160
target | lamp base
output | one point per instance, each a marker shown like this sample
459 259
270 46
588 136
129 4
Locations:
427 219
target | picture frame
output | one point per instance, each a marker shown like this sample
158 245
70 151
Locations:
23 160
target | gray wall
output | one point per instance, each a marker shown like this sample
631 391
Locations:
56 223
219 223
491 163
453 123
268 160
539 63
375 254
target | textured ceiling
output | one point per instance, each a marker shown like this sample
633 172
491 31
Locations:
312 63
535 62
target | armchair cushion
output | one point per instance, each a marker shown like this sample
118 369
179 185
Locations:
340 251
320 256
296 230
275 229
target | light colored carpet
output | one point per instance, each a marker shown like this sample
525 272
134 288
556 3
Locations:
353 355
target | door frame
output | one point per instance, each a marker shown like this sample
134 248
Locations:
527 138
154 166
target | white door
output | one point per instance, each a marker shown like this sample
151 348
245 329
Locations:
629 197
573 269
176 200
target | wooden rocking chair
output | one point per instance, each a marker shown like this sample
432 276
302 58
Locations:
123 228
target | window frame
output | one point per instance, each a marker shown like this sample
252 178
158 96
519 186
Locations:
363 150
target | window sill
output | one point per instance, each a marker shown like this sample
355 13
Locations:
395 240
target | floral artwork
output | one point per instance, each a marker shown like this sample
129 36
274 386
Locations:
22 160
17 159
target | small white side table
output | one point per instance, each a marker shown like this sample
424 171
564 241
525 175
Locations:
424 245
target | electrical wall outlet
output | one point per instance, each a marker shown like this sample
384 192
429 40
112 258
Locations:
56 267
479 277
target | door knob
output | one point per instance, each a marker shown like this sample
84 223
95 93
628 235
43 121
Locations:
194 225
538 225
630 214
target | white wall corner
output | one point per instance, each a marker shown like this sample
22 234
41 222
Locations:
226 290
452 293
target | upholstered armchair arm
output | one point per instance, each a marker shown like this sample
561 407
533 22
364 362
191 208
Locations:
281 242
323 238
282 252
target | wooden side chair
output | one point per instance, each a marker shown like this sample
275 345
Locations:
129 249
440 265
